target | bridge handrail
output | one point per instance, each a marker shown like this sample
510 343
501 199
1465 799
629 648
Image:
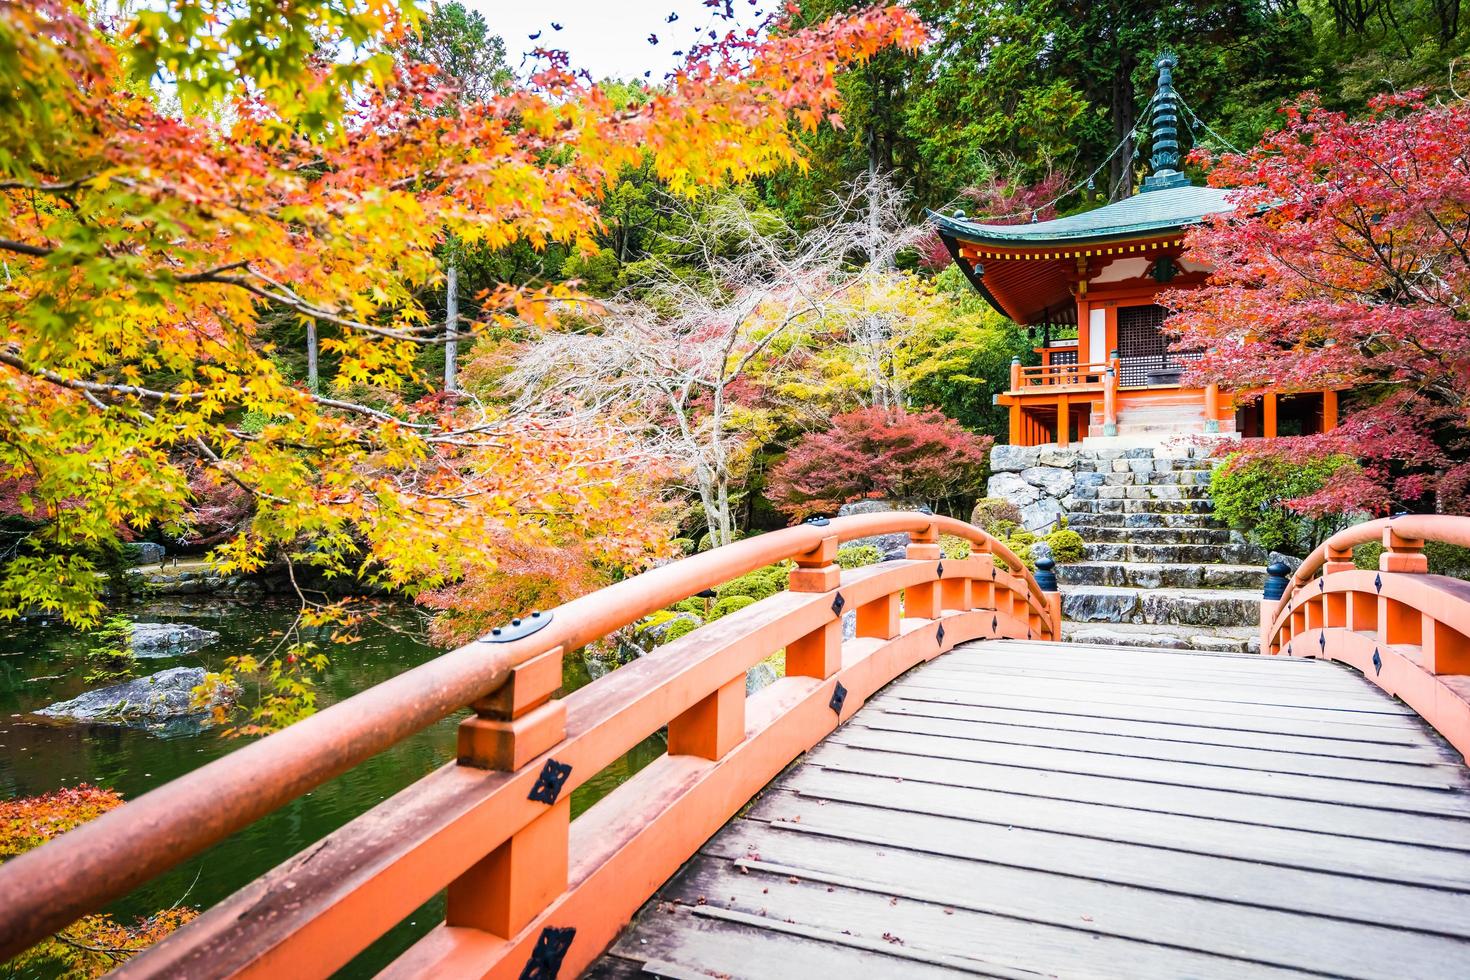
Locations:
1406 630
1446 528
47 888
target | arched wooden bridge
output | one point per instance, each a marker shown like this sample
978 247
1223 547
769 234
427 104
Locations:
950 791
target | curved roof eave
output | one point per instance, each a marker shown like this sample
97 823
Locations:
1152 212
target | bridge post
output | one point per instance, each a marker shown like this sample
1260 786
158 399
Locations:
512 884
879 618
1398 622
923 601
712 727
819 653
1046 578
518 722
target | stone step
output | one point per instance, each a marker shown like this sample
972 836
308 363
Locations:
1152 491
1128 506
1146 467
1175 554
1164 535
1176 607
1141 575
1142 520
1214 639
1193 478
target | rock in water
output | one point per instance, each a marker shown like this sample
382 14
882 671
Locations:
169 639
155 698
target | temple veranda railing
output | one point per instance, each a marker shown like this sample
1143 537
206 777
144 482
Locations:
1406 630
529 890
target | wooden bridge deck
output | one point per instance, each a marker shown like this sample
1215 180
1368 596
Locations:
1026 809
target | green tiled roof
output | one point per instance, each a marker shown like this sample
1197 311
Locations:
1156 209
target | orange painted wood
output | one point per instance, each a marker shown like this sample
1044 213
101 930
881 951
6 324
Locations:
486 743
311 915
712 727
879 618
817 654
531 685
508 888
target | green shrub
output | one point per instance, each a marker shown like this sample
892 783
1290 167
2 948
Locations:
1250 496
858 556
954 548
1066 546
731 603
684 546
995 517
759 584
690 605
682 627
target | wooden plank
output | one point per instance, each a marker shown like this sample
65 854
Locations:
1364 710
1016 720
937 929
1432 775
1097 670
1243 840
1332 818
1152 709
1074 648
708 947
1407 799
1262 933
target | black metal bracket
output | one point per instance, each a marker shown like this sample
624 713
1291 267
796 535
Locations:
1322 641
994 623
518 628
1378 583
837 603
551 948
1377 663
939 571
839 695
940 635
549 783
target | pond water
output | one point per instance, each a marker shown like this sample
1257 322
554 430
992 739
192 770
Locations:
40 665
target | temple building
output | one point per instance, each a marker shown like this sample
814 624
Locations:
1086 285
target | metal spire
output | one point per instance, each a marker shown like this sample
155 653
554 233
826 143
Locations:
1164 130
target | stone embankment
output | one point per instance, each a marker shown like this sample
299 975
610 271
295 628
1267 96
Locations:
1160 569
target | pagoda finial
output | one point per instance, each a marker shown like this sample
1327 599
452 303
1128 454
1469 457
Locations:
1164 130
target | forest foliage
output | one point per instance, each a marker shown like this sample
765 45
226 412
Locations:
229 231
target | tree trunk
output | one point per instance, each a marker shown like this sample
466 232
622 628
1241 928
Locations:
1124 118
312 380
451 330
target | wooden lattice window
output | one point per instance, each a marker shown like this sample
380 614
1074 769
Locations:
1142 347
1068 356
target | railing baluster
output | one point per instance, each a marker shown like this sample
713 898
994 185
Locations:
519 721
712 727
923 601
879 618
819 653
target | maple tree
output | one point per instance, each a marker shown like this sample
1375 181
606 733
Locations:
94 944
305 181
1344 265
876 453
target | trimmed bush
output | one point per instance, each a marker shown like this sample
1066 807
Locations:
731 603
759 584
954 548
858 556
996 517
681 628
1066 546
685 546
690 605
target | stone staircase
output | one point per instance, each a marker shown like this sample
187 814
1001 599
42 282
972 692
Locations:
1160 569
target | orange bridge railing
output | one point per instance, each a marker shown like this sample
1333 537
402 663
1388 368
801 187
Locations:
1406 630
531 892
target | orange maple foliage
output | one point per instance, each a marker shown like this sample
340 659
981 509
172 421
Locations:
145 251
94 944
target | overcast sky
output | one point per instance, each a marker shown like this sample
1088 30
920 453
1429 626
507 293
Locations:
610 38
